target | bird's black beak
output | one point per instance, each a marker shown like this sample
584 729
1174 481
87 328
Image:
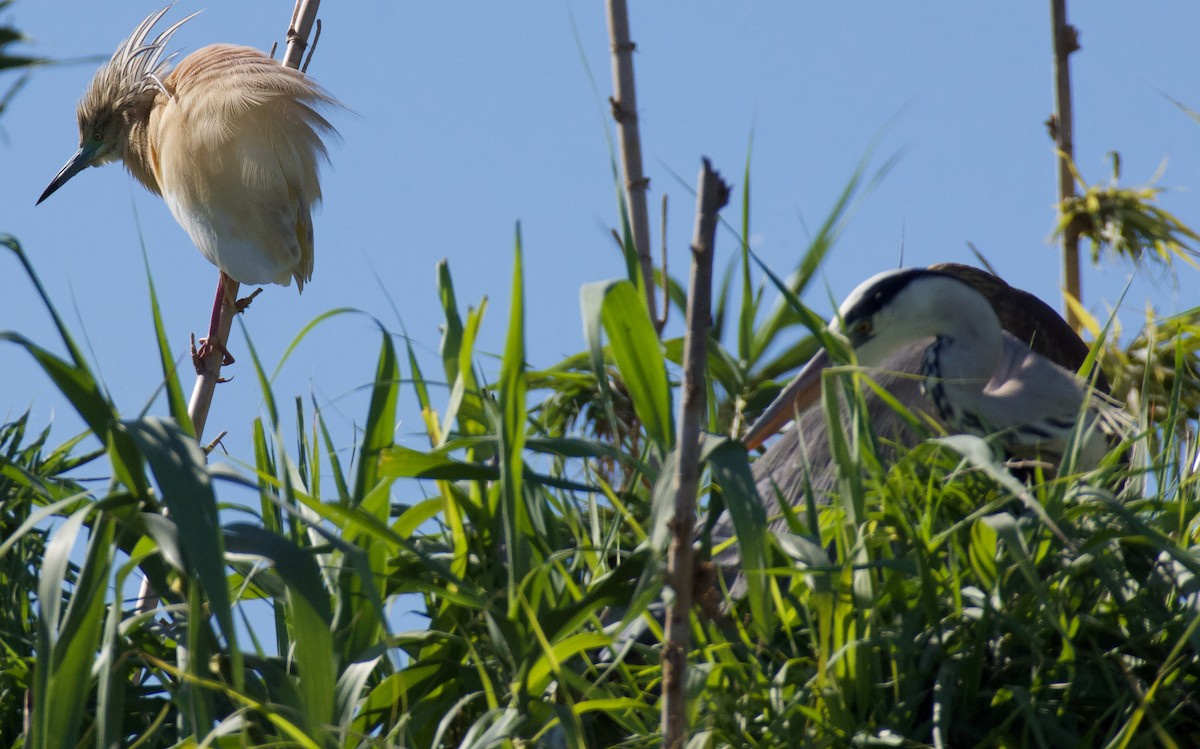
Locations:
82 158
794 399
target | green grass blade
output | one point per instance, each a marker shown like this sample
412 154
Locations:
731 472
178 466
381 420
636 350
264 383
309 614
360 605
749 306
68 639
518 527
404 462
335 463
465 407
177 405
452 329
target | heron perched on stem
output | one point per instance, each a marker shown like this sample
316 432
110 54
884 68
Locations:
230 139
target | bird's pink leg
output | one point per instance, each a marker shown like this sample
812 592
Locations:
213 341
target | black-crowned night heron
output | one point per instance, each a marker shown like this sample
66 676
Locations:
955 343
976 376
230 139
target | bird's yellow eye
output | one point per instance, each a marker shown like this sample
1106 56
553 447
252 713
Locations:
98 136
863 327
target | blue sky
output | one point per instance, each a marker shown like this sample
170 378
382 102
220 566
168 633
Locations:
466 118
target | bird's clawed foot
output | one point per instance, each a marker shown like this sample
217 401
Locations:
212 343
205 350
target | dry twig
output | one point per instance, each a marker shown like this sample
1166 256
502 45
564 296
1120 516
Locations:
1062 129
624 111
712 195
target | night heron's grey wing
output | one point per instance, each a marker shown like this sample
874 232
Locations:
1034 404
801 456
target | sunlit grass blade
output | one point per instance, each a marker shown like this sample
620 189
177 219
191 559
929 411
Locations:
68 636
403 462
731 472
176 404
515 512
636 350
465 406
309 614
178 466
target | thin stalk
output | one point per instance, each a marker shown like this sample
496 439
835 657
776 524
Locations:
299 30
208 369
1062 129
629 141
711 195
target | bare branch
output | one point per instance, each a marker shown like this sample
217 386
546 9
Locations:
1062 126
712 195
624 111
298 32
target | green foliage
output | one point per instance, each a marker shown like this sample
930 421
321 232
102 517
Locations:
10 36
936 599
960 604
1125 221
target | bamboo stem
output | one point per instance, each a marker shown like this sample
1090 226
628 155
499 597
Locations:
1062 129
299 30
629 142
712 195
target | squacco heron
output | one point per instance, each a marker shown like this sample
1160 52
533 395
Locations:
230 139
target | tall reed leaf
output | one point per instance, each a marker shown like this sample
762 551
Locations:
309 614
518 527
731 472
636 350
176 404
68 637
359 606
178 465
78 385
